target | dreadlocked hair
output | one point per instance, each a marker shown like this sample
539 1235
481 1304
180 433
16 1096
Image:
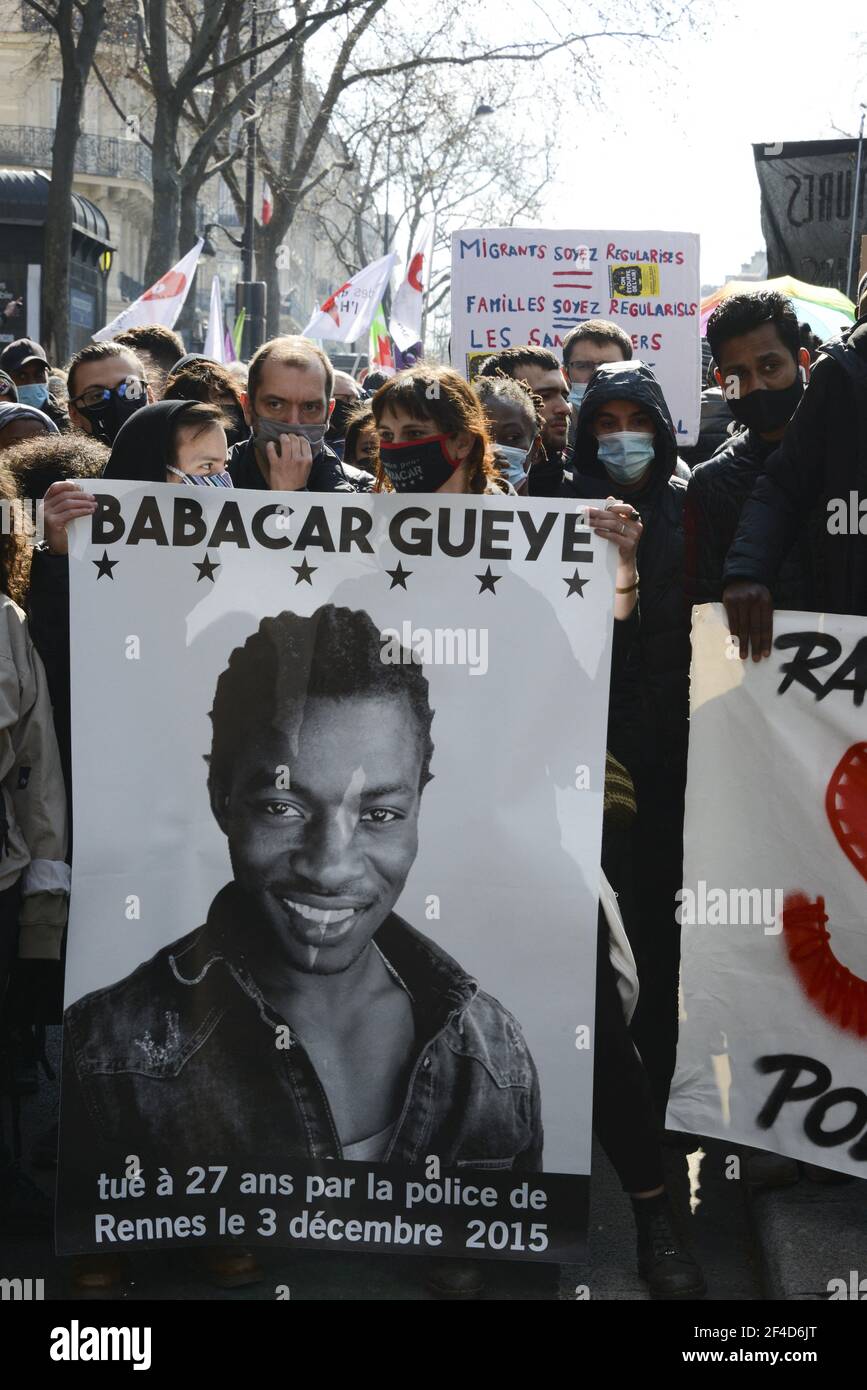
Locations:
501 387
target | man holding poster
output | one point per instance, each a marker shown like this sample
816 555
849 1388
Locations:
327 1012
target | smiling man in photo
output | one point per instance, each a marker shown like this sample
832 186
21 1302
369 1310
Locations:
305 1017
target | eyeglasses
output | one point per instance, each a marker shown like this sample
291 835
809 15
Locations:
576 365
132 390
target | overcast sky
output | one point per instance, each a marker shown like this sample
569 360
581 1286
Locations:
674 152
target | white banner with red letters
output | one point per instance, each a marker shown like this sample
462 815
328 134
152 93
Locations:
773 1033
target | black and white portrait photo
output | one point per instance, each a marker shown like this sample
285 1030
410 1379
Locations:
306 1014
338 797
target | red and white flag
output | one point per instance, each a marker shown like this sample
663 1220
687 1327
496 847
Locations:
267 203
348 313
408 304
162 302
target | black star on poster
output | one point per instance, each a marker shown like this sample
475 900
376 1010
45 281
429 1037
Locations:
575 585
207 568
487 581
304 571
104 566
398 576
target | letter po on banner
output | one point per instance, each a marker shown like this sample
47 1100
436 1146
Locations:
515 285
773 1043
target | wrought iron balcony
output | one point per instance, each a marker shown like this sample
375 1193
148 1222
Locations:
104 155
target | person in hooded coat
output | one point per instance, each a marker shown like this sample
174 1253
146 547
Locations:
625 443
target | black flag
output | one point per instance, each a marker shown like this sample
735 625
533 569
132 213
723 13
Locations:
808 189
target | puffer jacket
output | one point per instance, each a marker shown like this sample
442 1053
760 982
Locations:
822 457
715 499
659 734
33 808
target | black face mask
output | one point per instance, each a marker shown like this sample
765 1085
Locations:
107 417
766 411
545 478
239 430
339 418
422 466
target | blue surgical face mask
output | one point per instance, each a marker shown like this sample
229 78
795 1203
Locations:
35 394
625 455
514 466
576 393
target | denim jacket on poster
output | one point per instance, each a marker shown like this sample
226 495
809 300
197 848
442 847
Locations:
180 1057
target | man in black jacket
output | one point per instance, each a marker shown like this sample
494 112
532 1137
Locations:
761 368
290 396
821 460
625 443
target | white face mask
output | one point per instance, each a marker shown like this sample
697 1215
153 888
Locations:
576 393
515 466
625 455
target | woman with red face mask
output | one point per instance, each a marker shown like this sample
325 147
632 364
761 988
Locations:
433 435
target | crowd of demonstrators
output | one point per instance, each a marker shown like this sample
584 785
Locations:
748 526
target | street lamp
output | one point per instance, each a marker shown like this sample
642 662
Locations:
209 249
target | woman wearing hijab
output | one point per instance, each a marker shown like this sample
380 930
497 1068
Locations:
19 422
171 442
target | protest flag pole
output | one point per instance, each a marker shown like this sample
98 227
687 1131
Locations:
858 167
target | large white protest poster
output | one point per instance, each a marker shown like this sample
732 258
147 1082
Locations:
773 1045
516 285
338 773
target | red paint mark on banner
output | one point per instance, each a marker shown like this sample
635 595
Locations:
836 991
